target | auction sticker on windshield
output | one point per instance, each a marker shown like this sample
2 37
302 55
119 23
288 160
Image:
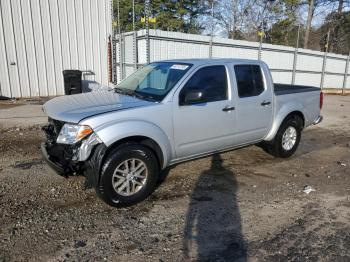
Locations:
179 67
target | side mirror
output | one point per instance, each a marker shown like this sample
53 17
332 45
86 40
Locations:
192 97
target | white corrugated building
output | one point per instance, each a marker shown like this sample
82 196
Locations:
41 38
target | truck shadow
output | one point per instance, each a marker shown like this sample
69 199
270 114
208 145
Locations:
213 228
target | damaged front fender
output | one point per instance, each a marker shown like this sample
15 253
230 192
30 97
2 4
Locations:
93 165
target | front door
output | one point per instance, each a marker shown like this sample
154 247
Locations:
207 124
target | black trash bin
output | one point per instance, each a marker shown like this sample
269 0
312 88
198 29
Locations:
72 82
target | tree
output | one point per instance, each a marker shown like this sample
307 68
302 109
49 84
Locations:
244 18
313 5
171 15
231 16
340 6
339 27
125 11
310 15
285 32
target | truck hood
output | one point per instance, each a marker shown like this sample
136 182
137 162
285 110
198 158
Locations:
74 108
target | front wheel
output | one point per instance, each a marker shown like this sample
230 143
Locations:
287 138
129 174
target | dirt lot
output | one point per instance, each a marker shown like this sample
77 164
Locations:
242 205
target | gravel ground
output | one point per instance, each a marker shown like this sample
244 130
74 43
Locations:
243 205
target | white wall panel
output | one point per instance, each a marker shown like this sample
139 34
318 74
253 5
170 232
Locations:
39 47
48 48
64 34
278 60
128 56
336 65
309 63
80 34
57 48
96 39
21 63
10 47
174 45
29 49
282 77
72 32
4 73
89 50
308 79
103 40
333 81
40 38
141 47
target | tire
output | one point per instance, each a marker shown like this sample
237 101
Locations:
278 147
128 177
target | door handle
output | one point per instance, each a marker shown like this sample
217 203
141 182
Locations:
265 103
228 109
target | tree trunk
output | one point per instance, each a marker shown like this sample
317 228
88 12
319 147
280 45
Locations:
340 6
308 22
234 15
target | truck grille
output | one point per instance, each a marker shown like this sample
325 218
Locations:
52 129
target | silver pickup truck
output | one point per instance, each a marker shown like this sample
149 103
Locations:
172 111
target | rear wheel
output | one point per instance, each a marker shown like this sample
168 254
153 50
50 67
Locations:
129 174
287 138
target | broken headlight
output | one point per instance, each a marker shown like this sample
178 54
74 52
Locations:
70 133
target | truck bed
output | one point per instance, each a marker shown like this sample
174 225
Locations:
285 89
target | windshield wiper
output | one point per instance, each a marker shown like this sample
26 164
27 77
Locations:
145 96
133 93
123 91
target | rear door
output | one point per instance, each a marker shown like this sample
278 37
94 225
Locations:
254 97
207 126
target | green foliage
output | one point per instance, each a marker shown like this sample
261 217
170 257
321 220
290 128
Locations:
241 19
339 27
285 32
171 15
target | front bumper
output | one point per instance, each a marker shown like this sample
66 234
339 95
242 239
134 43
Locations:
89 168
318 120
83 158
58 158
55 166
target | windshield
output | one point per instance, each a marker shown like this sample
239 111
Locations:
153 81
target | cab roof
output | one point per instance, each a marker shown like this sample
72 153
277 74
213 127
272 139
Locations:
204 61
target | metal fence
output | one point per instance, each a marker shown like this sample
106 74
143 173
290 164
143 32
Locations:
287 64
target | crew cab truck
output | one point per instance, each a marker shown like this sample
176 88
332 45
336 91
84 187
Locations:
172 111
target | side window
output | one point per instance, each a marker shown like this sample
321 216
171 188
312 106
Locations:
211 80
249 80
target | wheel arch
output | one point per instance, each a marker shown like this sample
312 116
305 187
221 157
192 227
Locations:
139 131
296 113
141 140
279 121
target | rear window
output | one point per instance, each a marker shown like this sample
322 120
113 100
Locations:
249 80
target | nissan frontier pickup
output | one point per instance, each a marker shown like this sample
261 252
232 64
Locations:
169 112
